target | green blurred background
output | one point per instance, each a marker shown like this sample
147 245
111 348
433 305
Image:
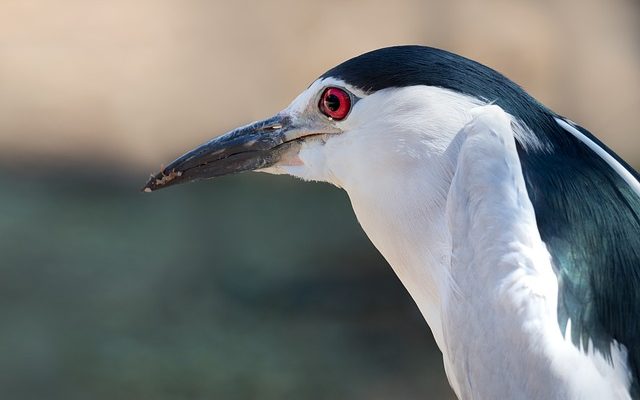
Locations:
251 286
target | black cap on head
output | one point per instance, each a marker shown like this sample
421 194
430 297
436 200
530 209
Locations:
402 66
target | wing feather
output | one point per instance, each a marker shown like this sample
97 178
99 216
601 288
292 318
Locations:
588 212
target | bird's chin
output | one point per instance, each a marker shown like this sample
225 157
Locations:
307 162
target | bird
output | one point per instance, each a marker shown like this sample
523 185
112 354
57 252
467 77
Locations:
515 230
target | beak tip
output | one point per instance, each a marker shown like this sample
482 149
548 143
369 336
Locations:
160 180
149 186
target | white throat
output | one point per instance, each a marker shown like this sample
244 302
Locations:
405 218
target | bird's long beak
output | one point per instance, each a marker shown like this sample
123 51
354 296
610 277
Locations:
254 146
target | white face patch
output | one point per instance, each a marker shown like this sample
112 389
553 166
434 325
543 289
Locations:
387 130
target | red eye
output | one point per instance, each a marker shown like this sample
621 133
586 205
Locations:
335 103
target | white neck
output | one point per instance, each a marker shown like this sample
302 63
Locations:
404 218
416 245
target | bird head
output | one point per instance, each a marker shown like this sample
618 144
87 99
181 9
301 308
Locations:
369 118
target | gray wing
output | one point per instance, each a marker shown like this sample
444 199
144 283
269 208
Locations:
588 212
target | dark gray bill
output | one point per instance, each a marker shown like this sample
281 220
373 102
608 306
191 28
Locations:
251 147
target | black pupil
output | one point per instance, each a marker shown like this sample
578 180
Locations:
332 102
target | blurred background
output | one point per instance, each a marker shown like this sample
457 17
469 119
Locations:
252 286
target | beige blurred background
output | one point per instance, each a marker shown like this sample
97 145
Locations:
251 286
141 81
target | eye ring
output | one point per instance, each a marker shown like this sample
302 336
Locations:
335 103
